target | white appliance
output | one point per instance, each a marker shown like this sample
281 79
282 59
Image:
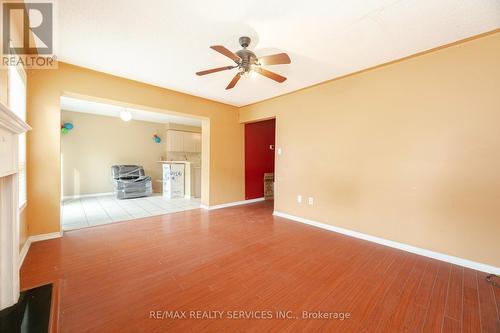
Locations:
173 180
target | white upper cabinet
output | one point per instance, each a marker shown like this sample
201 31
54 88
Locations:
175 141
197 142
188 142
180 141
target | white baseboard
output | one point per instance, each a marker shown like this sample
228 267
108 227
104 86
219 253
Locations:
35 238
79 196
231 204
42 237
401 246
24 252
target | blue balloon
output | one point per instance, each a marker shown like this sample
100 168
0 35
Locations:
68 126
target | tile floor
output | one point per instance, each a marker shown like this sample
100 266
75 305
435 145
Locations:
92 211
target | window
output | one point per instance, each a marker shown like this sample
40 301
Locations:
17 103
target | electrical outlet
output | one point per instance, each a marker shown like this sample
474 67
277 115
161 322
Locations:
311 201
299 199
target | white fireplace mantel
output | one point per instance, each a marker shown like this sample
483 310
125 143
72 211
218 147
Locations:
10 128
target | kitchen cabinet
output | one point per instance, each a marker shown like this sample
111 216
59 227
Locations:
180 141
175 141
188 142
197 142
196 182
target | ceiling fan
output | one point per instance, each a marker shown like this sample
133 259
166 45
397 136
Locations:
247 62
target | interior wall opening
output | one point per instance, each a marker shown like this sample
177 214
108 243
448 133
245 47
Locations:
260 160
120 163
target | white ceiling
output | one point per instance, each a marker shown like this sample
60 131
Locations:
165 42
109 110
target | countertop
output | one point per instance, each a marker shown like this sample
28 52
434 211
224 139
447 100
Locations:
174 162
195 165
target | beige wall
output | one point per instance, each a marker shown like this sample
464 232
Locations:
408 152
222 135
98 142
4 77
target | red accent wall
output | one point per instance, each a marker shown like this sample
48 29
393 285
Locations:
259 159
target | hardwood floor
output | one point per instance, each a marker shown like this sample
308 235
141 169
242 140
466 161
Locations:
110 278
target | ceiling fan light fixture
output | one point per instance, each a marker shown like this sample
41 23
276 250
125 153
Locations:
247 63
125 115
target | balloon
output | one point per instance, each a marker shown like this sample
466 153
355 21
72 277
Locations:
64 130
68 126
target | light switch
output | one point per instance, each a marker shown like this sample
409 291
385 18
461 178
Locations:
279 151
311 201
299 198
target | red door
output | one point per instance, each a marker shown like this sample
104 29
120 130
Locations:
259 156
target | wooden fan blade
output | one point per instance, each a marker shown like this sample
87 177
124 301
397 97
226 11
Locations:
214 70
233 81
271 75
221 49
275 59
